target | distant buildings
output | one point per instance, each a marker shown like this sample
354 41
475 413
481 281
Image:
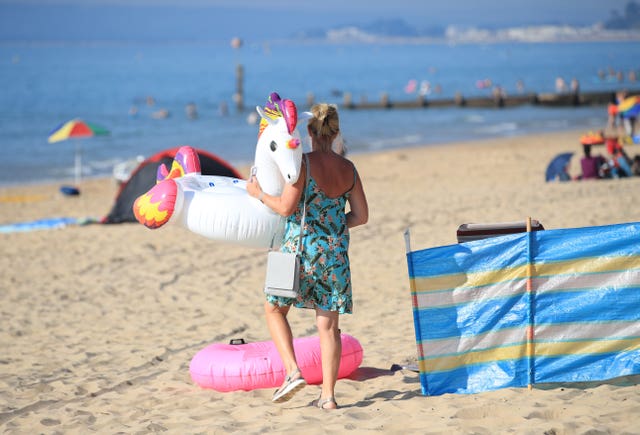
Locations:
547 33
618 27
456 34
630 19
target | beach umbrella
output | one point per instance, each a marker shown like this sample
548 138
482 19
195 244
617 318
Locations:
629 107
76 129
557 166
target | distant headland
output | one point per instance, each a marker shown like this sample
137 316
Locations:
619 26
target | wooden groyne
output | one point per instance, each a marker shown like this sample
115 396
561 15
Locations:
598 98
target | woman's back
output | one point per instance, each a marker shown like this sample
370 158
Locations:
333 174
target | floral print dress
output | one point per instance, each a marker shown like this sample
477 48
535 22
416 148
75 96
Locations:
325 277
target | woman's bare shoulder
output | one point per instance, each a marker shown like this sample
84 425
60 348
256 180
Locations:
332 173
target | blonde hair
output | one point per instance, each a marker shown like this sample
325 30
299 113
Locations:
325 124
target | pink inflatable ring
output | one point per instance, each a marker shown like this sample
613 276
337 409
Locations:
247 366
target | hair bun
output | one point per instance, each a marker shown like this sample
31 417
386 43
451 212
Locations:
322 113
325 120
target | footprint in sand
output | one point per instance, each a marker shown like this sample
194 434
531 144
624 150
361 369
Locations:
49 422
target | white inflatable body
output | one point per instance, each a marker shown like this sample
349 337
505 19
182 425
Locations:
219 207
237 219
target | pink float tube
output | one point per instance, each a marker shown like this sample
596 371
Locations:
231 367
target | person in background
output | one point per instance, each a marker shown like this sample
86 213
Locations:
575 91
561 85
575 86
619 161
325 276
635 166
191 110
612 116
627 123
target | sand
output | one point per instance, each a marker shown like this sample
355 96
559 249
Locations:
99 322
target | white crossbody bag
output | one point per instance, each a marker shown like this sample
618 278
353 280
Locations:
283 268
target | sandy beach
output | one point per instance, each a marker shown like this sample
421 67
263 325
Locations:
99 322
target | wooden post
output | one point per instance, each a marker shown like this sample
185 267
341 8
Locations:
78 164
422 100
384 100
347 100
530 335
407 240
239 95
310 99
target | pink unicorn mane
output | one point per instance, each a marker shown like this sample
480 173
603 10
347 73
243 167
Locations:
276 108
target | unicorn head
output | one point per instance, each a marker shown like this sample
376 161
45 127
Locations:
278 151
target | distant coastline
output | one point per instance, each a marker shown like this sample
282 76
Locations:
474 35
623 26
451 35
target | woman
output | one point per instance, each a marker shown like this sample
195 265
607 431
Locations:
325 277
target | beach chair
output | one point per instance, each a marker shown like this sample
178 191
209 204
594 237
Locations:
471 231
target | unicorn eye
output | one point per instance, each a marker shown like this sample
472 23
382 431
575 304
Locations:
274 145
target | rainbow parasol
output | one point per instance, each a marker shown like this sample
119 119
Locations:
76 129
629 107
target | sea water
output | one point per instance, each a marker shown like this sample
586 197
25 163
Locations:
112 84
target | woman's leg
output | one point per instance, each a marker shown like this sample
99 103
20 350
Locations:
331 352
281 334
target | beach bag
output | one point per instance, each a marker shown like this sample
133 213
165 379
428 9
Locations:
283 274
283 268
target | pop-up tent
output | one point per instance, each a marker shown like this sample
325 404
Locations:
144 177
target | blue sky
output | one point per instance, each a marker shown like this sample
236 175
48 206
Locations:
223 19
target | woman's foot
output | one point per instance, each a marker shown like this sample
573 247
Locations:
328 403
292 384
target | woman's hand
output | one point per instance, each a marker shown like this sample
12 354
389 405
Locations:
284 204
253 187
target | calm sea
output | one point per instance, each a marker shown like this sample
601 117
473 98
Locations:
44 85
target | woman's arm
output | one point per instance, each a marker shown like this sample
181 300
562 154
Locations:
359 209
286 203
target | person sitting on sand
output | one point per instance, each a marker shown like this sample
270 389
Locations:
620 165
325 276
635 165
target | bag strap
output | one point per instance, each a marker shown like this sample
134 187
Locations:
304 203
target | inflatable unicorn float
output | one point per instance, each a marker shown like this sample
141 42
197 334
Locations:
219 207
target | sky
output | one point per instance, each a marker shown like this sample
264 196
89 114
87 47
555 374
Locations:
273 19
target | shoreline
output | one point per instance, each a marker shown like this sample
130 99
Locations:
242 164
98 193
100 322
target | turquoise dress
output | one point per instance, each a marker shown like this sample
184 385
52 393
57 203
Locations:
325 277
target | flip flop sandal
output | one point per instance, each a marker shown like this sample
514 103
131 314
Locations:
290 387
319 403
